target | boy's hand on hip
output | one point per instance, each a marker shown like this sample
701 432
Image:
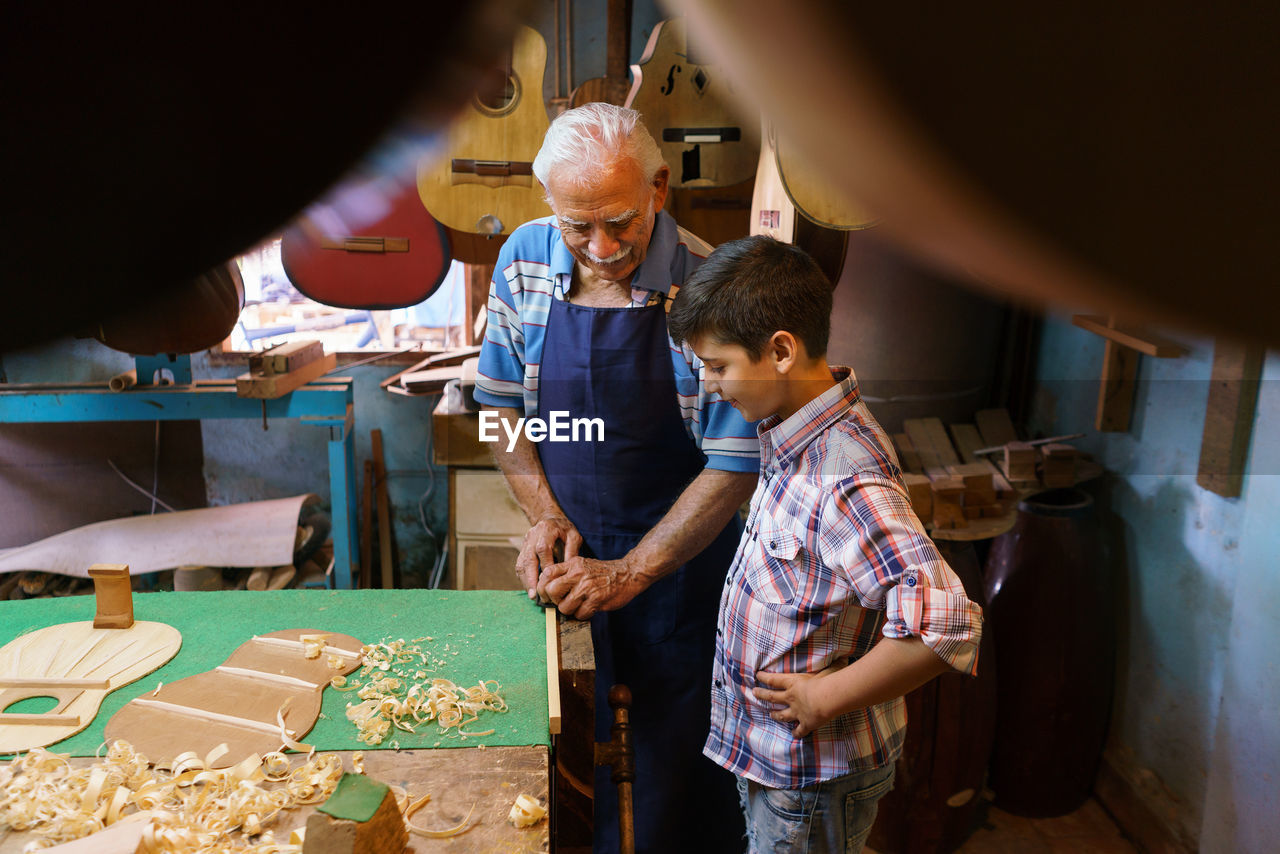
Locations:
582 587
798 695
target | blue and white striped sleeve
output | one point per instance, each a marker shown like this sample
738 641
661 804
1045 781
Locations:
500 375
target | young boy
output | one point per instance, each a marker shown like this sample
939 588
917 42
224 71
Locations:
837 602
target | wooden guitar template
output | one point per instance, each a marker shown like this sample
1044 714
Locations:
77 664
688 107
237 703
484 184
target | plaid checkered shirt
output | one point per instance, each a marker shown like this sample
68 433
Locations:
831 558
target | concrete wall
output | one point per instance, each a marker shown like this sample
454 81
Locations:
1195 727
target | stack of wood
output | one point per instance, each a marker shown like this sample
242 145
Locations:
950 493
1020 464
1058 465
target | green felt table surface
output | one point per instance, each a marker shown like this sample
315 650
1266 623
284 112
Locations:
490 634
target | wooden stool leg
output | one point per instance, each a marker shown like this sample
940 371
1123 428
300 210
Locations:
620 755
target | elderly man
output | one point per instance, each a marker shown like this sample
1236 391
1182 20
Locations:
646 511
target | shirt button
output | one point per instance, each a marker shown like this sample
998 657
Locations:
717 683
911 582
773 544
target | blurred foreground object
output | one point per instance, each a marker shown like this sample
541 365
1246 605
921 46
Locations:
1095 154
139 151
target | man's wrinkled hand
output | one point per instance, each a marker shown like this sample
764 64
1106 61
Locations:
539 550
582 587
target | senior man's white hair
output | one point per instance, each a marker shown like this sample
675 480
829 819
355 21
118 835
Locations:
586 139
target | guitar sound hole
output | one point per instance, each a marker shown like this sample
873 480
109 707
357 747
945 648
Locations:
499 94
32 706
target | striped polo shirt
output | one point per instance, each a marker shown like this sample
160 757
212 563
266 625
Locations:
534 267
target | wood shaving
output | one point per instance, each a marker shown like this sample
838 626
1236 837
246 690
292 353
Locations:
461 827
395 693
526 811
190 808
313 645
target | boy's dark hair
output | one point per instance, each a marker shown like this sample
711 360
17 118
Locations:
750 288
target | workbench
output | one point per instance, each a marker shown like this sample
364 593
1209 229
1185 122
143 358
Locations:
327 402
489 635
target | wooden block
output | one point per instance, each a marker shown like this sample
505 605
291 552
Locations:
992 511
920 491
553 670
978 497
921 441
976 476
948 514
1228 417
972 513
284 358
948 488
360 817
113 591
907 454
967 440
1117 388
995 426
271 386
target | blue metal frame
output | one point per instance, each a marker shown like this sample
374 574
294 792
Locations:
326 402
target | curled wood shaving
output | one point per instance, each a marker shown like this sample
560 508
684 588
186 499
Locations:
313 645
461 827
526 811
394 692
190 808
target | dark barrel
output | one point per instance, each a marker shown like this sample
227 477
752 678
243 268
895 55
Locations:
950 722
1051 611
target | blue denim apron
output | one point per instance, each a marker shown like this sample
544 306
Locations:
615 364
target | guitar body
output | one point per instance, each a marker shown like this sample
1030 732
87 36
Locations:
395 259
76 665
484 183
814 194
774 213
689 109
237 702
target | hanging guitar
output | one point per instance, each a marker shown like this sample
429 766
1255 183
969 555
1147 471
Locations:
484 183
773 213
814 194
688 107
369 248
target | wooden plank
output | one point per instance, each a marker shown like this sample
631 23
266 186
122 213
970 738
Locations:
1142 341
995 426
430 381
384 512
287 357
271 386
553 670
908 457
923 442
967 440
941 443
1228 418
1117 388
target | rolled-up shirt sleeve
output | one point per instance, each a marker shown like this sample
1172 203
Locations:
870 532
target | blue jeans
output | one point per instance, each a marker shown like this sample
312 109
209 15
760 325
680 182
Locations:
831 817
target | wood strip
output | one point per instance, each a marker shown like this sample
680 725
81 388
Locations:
908 457
1117 389
553 671
278 678
278 385
384 512
15 718
52 682
1131 337
206 715
292 644
1228 417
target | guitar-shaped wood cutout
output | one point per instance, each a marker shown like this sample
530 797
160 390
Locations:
78 664
688 107
237 703
376 248
773 213
484 183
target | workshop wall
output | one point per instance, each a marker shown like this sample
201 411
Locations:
1194 726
